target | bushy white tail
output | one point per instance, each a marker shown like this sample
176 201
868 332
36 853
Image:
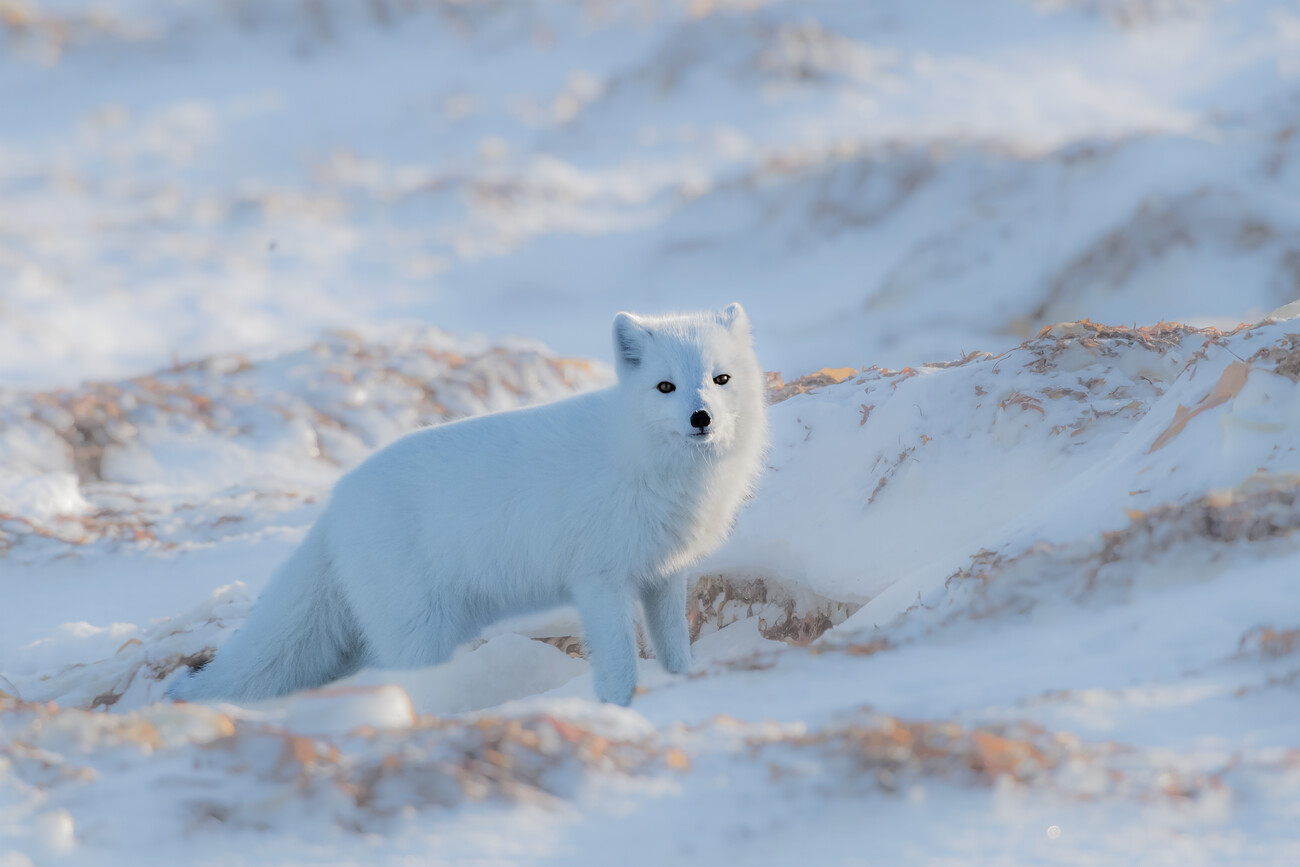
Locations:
299 635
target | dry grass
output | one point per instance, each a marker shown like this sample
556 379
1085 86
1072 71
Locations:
1270 641
1283 357
365 776
888 749
889 754
778 389
719 600
1109 340
1264 507
1262 510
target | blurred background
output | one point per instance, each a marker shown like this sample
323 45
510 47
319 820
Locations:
879 181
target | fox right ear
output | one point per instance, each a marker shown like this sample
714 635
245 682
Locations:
629 339
733 316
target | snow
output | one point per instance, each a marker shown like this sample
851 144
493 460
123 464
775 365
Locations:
1018 587
45 496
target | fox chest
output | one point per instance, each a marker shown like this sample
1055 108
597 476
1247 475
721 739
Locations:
673 535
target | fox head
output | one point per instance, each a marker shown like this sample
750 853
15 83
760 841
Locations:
693 379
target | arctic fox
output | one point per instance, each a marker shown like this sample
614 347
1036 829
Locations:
596 500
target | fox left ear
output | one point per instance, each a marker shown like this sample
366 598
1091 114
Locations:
733 317
630 336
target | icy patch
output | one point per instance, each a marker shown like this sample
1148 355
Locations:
43 497
340 709
503 669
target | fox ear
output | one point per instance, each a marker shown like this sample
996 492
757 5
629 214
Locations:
733 317
630 336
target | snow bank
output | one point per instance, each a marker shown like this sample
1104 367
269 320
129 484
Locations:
213 449
1055 580
42 497
901 475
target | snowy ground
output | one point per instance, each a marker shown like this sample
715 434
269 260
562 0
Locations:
1017 589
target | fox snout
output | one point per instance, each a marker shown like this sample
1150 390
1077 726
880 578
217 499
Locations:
700 419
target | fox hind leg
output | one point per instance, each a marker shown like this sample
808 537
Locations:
417 640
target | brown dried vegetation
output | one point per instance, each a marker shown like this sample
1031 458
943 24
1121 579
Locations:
1264 508
890 754
435 763
711 602
1283 357
1108 340
1270 641
778 389
442 763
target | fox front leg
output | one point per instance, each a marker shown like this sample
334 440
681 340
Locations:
665 614
605 607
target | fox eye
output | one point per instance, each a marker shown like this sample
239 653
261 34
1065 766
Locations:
722 378
666 387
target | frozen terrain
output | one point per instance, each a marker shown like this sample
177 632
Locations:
1018 587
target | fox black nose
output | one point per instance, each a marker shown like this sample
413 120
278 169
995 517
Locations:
700 419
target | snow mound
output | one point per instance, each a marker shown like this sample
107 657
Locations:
1060 437
236 441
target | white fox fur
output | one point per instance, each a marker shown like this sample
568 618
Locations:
597 500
